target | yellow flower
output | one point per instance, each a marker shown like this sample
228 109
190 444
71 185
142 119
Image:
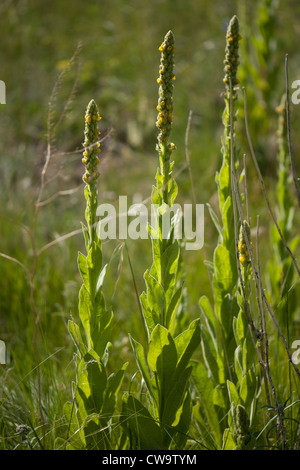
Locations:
242 246
242 259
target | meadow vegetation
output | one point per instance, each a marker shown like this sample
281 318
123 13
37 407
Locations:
142 344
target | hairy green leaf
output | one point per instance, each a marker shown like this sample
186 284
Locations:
144 433
91 384
225 271
162 355
86 310
172 308
83 268
111 391
142 364
174 398
76 336
186 343
233 393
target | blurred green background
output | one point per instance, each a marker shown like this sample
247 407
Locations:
108 50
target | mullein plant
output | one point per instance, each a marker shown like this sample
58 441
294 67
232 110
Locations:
260 70
225 352
94 392
225 275
282 281
161 420
260 64
243 390
218 340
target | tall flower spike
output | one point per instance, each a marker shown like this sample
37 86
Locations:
91 144
165 102
90 159
231 54
242 427
230 95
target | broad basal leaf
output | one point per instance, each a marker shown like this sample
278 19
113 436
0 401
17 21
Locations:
145 434
142 364
86 310
225 270
162 356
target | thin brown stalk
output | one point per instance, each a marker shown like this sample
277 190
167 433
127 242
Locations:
263 185
262 290
246 189
235 196
259 280
257 276
60 239
266 354
264 342
15 260
66 192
